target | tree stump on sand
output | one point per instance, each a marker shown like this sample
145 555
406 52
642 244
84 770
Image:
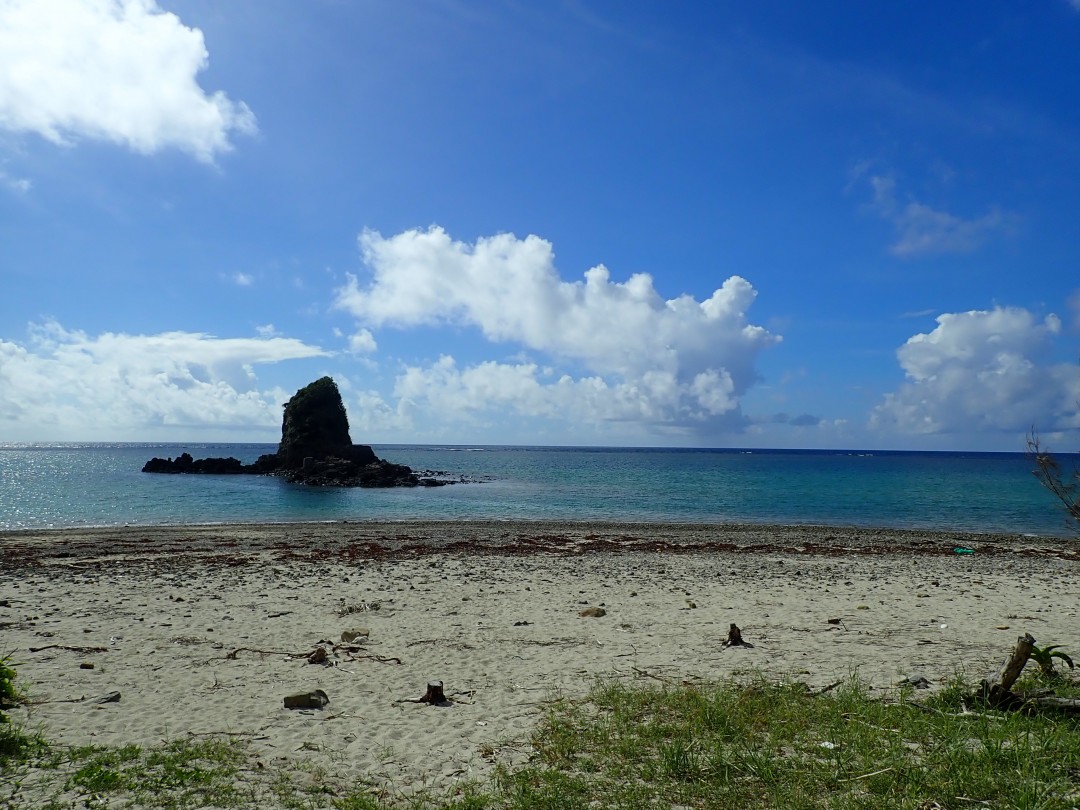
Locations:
734 638
434 694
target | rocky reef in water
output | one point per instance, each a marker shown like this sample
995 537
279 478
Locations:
315 449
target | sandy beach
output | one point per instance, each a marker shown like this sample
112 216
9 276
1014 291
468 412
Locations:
205 630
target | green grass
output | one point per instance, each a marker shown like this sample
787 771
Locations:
175 775
748 744
764 744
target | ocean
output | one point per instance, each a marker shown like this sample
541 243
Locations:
71 484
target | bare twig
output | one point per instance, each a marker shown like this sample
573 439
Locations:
232 656
825 689
867 775
645 674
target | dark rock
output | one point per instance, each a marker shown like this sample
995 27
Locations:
316 426
186 464
315 449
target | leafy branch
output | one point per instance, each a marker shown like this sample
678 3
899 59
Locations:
1065 486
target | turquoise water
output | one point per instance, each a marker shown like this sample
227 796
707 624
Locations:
101 485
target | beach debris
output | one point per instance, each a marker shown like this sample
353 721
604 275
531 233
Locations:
646 674
825 689
522 623
916 681
346 609
318 656
433 696
111 697
593 613
86 665
996 689
357 634
734 638
963 550
316 699
232 656
382 659
69 649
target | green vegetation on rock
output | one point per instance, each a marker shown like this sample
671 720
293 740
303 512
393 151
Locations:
315 424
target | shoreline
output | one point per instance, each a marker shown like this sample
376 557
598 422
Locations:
571 536
204 630
1065 532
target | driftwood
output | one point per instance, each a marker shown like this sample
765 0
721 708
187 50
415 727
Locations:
352 649
318 655
69 649
996 690
232 656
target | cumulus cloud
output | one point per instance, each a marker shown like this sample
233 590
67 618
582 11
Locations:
116 70
983 371
63 384
362 342
20 185
663 362
923 230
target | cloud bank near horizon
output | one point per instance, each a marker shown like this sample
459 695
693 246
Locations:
983 370
67 385
122 71
593 360
596 349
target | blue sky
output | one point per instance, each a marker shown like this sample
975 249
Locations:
570 222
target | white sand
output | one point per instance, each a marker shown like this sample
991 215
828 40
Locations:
169 605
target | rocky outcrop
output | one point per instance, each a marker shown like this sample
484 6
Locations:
315 449
316 426
184 463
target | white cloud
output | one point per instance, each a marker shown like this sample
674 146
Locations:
362 342
20 185
983 371
657 361
65 384
117 70
921 229
242 279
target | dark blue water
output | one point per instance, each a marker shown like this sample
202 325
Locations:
101 485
